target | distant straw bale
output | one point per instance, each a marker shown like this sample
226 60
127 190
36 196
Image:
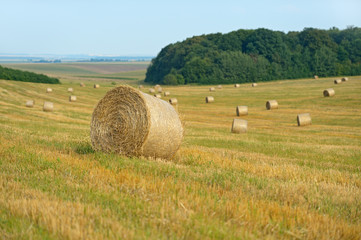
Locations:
133 123
48 107
237 85
173 101
316 77
239 126
166 94
157 95
212 89
271 104
219 86
81 84
72 98
159 90
329 92
344 79
151 90
304 119
337 81
254 84
96 86
70 90
209 99
29 103
242 110
141 86
49 90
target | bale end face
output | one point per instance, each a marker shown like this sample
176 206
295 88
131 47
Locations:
304 119
239 126
329 92
271 104
209 99
242 110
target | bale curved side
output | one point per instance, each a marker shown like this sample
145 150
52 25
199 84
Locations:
129 122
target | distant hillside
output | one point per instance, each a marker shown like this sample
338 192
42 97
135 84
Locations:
24 76
258 55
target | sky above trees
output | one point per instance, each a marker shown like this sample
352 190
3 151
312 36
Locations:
141 27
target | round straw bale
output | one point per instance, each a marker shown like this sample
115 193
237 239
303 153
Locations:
96 86
29 103
157 95
212 89
219 86
151 90
237 85
133 123
173 101
239 126
271 104
48 107
316 77
72 98
70 90
344 79
49 90
209 99
157 86
304 119
166 94
160 90
81 84
329 92
242 110
254 84
140 86
337 81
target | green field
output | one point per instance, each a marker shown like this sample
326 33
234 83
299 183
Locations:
277 181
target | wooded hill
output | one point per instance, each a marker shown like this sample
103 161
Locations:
24 76
258 55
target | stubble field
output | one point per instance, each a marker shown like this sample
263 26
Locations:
277 181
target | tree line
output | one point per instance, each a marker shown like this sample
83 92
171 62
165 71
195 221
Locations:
24 76
258 55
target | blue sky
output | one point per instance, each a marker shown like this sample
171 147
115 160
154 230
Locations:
143 28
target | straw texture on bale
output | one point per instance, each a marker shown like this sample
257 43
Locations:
239 126
173 101
81 84
151 90
70 90
254 84
29 103
337 81
96 86
304 119
157 95
166 94
329 92
237 85
133 123
242 110
209 99
212 89
49 90
344 79
72 98
48 107
271 104
219 86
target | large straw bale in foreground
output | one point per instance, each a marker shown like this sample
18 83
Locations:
329 92
242 110
133 123
239 126
304 119
271 104
48 107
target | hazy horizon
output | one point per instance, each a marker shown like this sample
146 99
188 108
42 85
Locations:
143 28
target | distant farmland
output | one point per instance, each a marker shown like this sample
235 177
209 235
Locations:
277 181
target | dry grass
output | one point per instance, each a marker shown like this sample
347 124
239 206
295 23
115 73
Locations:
277 181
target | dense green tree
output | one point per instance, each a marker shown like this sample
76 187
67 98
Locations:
24 76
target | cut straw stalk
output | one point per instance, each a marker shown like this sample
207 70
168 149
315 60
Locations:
239 126
133 123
